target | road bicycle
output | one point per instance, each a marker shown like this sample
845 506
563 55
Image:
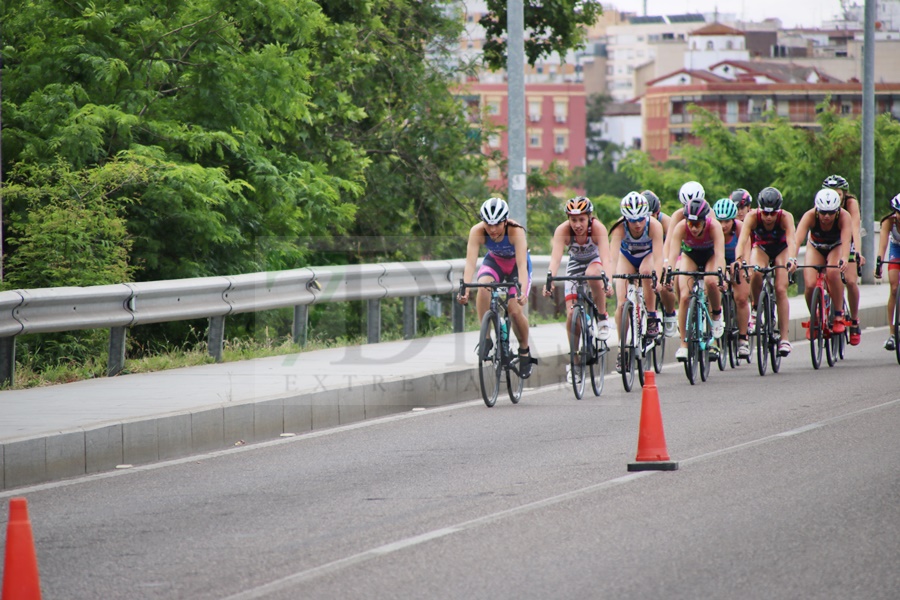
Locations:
821 320
727 345
698 325
635 346
497 360
895 310
767 333
659 348
586 350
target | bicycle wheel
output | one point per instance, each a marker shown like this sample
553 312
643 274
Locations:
489 364
705 344
722 342
831 338
626 346
578 350
896 321
659 349
762 332
693 357
816 321
845 338
731 330
514 382
598 365
774 336
641 356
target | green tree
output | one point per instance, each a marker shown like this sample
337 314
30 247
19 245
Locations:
555 26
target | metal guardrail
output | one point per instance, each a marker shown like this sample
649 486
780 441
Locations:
118 307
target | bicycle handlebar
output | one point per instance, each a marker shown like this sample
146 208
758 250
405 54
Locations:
695 274
601 277
630 277
493 285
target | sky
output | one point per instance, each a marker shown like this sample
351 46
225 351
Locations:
793 13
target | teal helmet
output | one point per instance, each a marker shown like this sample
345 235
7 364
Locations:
725 209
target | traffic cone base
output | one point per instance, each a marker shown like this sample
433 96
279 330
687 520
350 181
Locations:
20 570
652 454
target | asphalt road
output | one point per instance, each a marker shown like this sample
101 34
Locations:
788 487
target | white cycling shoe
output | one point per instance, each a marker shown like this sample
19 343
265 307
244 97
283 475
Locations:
670 326
718 327
569 374
681 354
602 328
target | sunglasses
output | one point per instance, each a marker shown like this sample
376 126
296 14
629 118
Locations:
827 212
640 220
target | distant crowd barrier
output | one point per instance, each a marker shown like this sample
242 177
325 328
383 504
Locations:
118 307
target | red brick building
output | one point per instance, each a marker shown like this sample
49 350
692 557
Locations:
741 93
555 123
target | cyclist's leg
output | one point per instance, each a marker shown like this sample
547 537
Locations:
893 279
649 296
489 272
741 303
781 297
836 286
685 284
813 258
853 298
626 266
598 291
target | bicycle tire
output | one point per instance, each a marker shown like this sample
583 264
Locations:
659 349
896 322
774 355
642 359
732 332
691 364
515 385
598 366
816 323
831 338
705 344
723 343
762 333
489 366
845 338
577 349
626 346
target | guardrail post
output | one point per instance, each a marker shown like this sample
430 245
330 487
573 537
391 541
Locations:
459 315
410 320
301 324
116 351
373 320
216 339
8 360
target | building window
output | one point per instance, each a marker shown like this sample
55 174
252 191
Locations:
560 143
731 111
493 106
534 110
729 44
561 110
846 108
534 138
494 140
494 173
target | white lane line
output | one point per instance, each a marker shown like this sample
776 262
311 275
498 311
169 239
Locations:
302 576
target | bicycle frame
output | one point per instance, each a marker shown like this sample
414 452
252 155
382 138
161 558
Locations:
767 334
821 318
633 342
698 334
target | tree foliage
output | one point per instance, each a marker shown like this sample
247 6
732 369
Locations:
551 26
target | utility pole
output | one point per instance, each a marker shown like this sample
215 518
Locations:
515 95
867 200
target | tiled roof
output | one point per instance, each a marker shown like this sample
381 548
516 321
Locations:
717 29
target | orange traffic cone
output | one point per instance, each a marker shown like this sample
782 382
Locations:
652 454
20 570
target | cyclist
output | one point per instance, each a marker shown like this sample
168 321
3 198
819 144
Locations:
588 244
889 249
507 257
636 247
768 238
829 229
670 323
726 212
850 203
742 200
701 244
689 191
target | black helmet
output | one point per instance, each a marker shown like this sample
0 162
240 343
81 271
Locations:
769 200
652 201
696 209
741 197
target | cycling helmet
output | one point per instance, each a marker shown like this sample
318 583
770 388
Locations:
835 182
634 207
769 199
690 191
828 200
652 201
494 210
895 203
696 210
741 197
725 209
579 205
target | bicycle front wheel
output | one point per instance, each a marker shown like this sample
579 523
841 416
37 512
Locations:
774 336
659 349
514 382
896 322
489 362
705 343
626 346
816 322
578 349
762 332
598 366
693 335
731 330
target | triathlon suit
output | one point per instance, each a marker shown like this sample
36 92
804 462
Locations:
635 249
581 256
731 247
825 241
699 249
500 261
893 244
774 241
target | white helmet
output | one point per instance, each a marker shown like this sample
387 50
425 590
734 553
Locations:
634 206
494 210
828 200
691 191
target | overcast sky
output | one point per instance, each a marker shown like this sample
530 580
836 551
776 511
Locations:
793 13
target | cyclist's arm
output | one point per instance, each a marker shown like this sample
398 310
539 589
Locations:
803 226
853 209
674 241
676 218
884 236
558 246
656 237
476 237
517 237
742 252
601 239
718 237
846 236
790 233
615 245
